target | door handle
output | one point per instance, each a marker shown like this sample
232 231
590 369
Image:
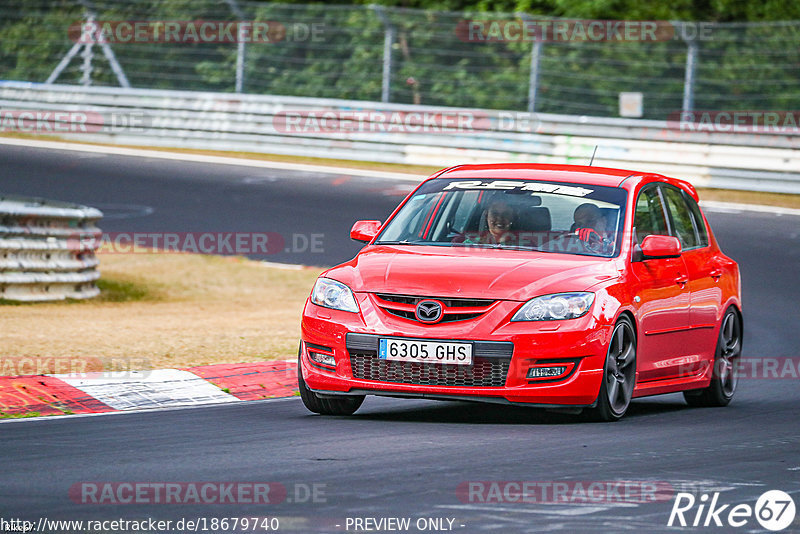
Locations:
681 280
716 274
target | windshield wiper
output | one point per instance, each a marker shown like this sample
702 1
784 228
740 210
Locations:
519 247
498 246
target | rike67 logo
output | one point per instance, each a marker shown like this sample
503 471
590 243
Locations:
774 510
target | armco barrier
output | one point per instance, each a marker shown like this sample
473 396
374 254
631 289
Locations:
756 161
47 250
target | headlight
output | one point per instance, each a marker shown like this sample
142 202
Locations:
333 294
555 307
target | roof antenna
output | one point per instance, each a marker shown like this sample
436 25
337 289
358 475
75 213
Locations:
593 153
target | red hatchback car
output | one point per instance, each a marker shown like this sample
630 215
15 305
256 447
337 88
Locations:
554 286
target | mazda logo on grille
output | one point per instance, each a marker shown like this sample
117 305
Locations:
428 311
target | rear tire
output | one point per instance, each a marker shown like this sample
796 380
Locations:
726 356
339 405
619 374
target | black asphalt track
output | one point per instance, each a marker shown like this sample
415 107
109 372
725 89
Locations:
397 458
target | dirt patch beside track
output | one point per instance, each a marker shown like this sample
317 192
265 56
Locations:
160 311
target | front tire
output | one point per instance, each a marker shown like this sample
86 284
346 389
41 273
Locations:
724 380
619 374
339 405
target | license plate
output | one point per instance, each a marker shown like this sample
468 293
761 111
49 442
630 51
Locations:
404 350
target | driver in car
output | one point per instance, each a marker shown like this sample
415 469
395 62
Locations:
591 226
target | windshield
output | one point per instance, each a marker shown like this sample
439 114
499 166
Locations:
513 214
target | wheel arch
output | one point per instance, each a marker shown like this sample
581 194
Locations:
624 312
733 303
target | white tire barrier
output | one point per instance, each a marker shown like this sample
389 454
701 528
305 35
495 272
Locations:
47 250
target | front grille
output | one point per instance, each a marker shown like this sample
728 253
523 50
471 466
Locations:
454 309
449 302
491 361
446 318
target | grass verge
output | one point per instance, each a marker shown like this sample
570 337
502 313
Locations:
4 415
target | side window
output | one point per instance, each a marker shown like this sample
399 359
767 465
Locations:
699 223
681 217
411 221
466 207
649 217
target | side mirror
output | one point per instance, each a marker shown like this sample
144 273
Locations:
365 231
660 246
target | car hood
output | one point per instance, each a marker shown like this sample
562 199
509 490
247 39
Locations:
470 272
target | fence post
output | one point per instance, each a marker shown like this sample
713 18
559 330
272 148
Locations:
533 82
689 77
240 52
240 45
388 40
533 79
88 56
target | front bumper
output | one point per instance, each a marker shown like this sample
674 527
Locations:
499 346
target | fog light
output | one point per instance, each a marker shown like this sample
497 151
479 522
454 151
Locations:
324 359
546 372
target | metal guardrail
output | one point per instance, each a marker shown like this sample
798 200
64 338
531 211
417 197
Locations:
47 250
755 161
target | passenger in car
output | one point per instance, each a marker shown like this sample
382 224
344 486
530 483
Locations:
496 226
500 221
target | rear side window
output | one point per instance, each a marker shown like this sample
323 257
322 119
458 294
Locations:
682 220
699 223
649 217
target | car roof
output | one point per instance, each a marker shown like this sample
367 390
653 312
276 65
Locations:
580 174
